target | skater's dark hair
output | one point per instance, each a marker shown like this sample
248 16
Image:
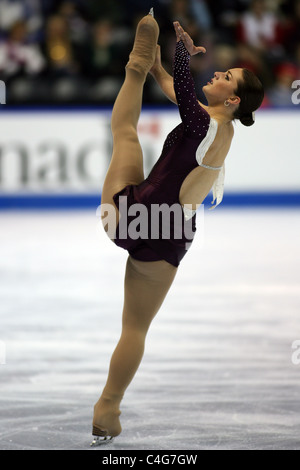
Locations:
251 92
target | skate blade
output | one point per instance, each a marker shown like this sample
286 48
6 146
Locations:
101 441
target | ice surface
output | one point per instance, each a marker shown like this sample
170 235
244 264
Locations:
217 372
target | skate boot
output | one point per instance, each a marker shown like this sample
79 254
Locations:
143 54
99 439
110 426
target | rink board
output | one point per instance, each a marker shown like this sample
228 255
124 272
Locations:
59 158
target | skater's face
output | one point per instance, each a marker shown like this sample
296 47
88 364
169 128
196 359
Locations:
222 87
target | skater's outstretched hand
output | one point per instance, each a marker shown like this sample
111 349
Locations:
187 40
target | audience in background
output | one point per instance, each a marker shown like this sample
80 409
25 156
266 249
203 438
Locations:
75 51
17 57
260 27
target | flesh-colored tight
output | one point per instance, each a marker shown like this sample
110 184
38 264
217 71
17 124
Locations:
146 283
146 286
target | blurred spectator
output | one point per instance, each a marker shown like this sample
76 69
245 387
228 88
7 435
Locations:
201 14
17 58
12 11
101 53
113 9
180 11
226 16
58 48
225 57
260 28
77 26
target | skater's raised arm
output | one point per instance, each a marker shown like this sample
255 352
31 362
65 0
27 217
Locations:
163 78
194 117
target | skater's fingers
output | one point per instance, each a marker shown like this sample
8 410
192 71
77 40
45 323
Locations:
176 27
187 40
201 50
197 50
179 31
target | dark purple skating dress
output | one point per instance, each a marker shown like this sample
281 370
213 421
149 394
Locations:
167 236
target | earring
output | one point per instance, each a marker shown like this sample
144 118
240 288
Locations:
227 103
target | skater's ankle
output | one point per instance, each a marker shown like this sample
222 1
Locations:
109 400
135 71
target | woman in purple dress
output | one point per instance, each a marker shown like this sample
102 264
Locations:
191 164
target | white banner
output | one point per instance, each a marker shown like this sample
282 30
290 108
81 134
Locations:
67 152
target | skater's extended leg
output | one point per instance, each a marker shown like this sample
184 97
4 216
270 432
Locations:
146 286
126 165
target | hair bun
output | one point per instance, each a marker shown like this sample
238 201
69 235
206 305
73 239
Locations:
248 119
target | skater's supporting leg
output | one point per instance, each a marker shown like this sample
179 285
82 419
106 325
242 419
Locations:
146 286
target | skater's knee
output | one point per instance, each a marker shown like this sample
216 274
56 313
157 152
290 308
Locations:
124 133
155 271
135 327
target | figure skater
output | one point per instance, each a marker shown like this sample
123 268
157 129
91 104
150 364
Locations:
192 162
